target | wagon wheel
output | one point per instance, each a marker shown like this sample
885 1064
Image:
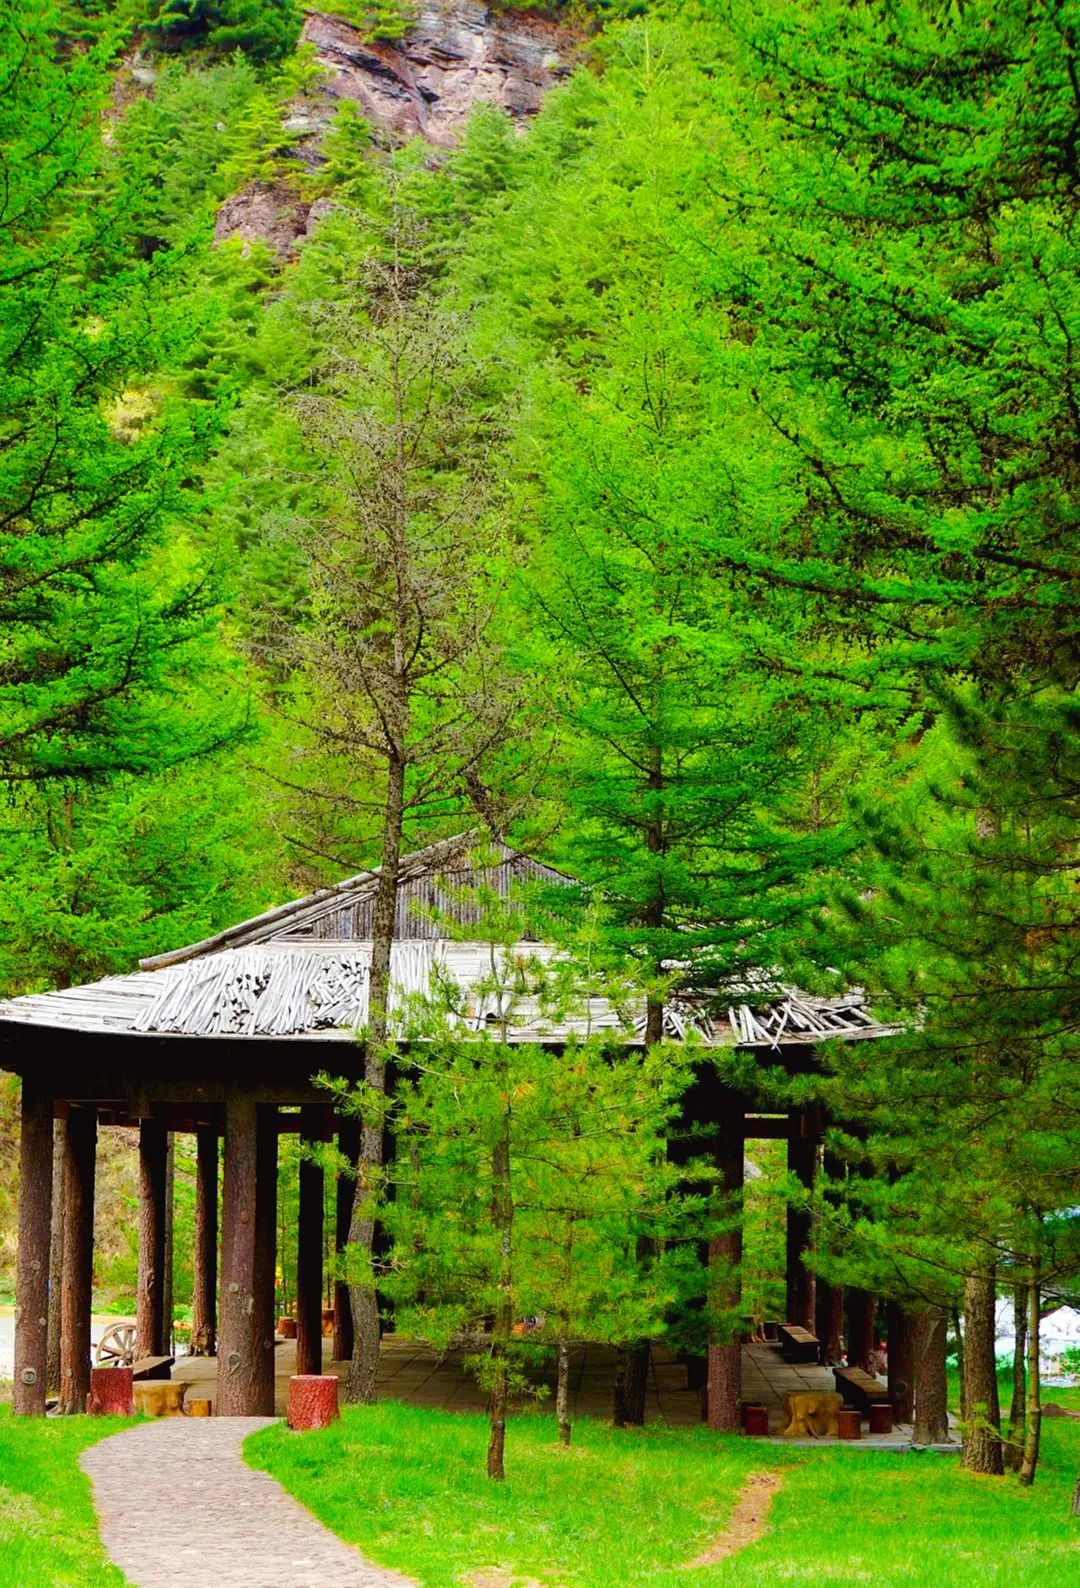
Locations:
116 1348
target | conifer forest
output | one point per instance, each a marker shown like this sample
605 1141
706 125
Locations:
641 438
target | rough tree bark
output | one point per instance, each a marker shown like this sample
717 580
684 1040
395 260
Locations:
1014 1447
901 1363
363 1298
928 1340
502 1218
150 1286
56 1259
982 1414
562 1393
1034 1401
725 1260
237 1394
32 1260
266 1187
78 1276
170 1245
204 1292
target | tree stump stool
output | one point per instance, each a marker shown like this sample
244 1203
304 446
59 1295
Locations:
811 1414
199 1408
110 1392
755 1419
848 1424
287 1328
328 1323
159 1398
313 1400
881 1419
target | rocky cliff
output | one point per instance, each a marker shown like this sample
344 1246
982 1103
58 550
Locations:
456 55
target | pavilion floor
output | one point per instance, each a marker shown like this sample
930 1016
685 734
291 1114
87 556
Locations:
412 1372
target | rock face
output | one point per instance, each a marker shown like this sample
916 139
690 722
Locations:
454 56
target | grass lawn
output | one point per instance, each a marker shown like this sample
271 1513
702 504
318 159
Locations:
48 1531
623 1508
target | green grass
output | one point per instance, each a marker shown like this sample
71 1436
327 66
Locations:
48 1531
631 1507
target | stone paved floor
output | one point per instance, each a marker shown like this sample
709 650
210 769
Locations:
249 1533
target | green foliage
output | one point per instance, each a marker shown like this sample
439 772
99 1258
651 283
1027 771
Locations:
262 29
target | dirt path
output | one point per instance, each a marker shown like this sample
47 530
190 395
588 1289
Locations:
178 1508
747 1522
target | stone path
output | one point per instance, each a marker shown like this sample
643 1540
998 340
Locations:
179 1508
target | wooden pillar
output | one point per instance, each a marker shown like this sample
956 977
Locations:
725 1258
266 1171
167 1275
204 1278
56 1260
309 1246
928 1348
32 1271
901 1363
150 1284
801 1282
349 1148
80 1148
238 1376
860 1308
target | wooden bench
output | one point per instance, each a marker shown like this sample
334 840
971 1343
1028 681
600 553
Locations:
798 1344
860 1388
145 1367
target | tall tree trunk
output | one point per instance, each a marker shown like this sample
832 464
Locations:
901 1367
928 1339
204 1290
78 1281
1014 1449
860 1308
982 1414
502 1218
56 1259
363 1298
150 1288
631 1383
167 1272
562 1393
1034 1403
32 1254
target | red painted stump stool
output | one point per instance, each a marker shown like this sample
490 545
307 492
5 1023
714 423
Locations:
755 1418
111 1392
848 1424
313 1400
881 1418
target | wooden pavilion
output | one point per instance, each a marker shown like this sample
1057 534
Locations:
223 1038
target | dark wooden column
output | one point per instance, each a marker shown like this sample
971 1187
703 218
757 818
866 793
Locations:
309 1246
80 1150
204 1287
349 1148
32 1271
829 1309
901 1363
860 1308
56 1260
150 1285
238 1376
725 1259
169 1264
801 1162
266 1188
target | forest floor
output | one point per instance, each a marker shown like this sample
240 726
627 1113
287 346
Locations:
623 1508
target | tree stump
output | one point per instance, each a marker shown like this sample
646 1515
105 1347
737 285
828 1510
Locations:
848 1424
199 1408
755 1420
159 1397
111 1392
287 1328
881 1419
811 1414
313 1400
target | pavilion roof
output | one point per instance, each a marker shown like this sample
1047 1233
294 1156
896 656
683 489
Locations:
302 968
